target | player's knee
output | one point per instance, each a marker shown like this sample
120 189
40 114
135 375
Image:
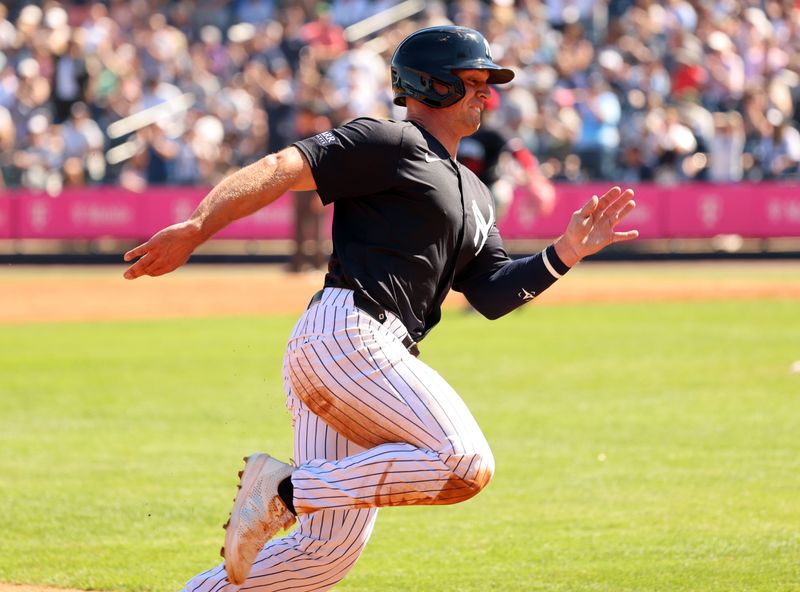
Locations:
471 473
484 462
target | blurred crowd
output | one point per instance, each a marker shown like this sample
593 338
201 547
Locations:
148 92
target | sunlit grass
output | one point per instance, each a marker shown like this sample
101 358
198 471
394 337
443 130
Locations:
638 447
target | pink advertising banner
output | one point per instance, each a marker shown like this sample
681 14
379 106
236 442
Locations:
6 226
694 210
751 210
87 214
712 210
685 211
175 205
110 212
778 208
522 222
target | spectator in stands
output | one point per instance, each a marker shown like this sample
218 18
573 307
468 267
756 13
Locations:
70 78
725 83
8 33
9 82
254 11
726 149
779 152
41 157
324 38
83 147
262 58
32 96
7 144
347 12
688 75
99 29
634 167
360 80
574 56
184 168
598 143
215 51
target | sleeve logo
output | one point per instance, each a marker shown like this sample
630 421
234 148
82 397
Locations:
325 138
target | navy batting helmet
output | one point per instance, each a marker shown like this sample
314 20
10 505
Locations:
431 55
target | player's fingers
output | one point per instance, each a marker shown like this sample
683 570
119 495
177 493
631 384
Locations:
618 210
615 205
627 208
138 269
625 236
587 209
609 197
136 252
132 273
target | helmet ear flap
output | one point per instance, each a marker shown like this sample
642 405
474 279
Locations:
419 85
455 91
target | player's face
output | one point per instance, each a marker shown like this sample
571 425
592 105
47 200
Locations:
465 115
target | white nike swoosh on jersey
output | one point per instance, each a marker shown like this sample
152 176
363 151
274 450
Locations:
431 158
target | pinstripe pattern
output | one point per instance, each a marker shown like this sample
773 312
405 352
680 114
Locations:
424 446
324 546
373 426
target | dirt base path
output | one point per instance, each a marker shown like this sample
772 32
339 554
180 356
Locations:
54 294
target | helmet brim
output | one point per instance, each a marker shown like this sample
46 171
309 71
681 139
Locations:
497 74
500 76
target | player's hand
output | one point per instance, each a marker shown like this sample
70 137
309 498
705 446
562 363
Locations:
592 228
167 250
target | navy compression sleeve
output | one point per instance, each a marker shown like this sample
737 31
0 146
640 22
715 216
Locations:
514 283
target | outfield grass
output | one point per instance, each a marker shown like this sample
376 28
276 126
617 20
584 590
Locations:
638 447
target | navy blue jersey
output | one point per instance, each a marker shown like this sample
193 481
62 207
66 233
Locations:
409 222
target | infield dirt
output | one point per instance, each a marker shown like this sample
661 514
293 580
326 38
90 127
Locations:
57 294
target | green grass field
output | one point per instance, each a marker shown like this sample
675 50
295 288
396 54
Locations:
638 447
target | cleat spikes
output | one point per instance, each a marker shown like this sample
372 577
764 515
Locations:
222 552
240 474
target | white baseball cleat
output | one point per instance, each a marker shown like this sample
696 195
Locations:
258 514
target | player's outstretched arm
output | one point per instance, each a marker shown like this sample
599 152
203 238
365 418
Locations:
238 195
591 228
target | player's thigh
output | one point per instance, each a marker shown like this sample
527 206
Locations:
372 391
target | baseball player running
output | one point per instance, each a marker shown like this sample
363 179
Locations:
375 426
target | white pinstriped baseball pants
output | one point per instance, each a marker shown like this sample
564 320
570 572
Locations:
373 426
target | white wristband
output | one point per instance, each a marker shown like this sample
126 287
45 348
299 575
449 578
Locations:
549 265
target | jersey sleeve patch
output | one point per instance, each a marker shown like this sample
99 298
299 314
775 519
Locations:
325 138
357 159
